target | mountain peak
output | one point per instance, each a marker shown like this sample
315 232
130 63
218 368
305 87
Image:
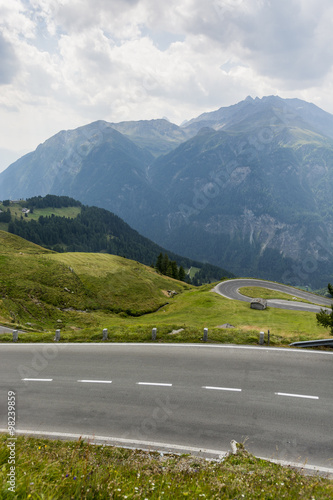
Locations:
246 113
245 187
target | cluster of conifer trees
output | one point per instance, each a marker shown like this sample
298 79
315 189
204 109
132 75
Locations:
51 200
169 267
5 215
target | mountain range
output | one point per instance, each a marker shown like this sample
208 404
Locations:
248 187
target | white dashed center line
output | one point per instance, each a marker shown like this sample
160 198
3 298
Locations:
221 388
96 381
296 395
154 383
37 379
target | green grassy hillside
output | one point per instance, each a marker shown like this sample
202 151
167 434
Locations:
44 288
118 284
81 293
11 244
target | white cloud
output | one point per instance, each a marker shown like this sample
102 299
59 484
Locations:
285 40
8 61
68 62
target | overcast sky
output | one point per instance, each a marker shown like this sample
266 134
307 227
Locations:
65 63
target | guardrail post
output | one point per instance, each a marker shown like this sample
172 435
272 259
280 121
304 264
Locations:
153 333
105 333
15 335
261 338
57 336
205 335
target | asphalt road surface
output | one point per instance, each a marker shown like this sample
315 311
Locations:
4 329
230 290
176 397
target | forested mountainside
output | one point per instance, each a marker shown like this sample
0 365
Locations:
93 229
248 188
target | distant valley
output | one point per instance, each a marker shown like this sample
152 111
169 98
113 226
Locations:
248 188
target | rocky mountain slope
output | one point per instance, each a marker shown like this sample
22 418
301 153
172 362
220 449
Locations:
248 187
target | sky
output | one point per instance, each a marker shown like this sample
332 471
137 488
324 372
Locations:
66 63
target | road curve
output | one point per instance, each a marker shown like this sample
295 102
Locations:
180 396
230 290
6 330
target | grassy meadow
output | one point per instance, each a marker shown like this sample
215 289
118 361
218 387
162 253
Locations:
266 293
16 212
79 470
83 293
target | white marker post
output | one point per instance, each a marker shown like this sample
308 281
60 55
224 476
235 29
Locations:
261 338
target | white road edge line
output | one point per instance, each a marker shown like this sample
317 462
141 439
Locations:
296 395
113 441
96 381
154 383
89 345
37 379
221 388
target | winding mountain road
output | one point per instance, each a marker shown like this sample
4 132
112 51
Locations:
5 329
178 397
230 290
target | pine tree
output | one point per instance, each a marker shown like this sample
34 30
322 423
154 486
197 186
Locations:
159 261
174 270
326 319
165 263
330 289
181 274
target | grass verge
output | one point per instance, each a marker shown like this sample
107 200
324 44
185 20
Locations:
188 313
79 470
266 293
